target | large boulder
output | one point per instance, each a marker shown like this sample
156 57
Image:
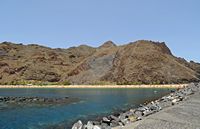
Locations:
78 125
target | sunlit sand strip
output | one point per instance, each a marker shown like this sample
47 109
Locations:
96 86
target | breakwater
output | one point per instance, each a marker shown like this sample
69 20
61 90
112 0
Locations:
133 115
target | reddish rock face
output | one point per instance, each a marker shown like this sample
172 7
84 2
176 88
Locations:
137 62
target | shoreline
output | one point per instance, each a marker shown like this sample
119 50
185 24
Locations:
95 86
130 118
183 114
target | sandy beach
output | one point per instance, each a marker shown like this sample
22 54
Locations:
96 86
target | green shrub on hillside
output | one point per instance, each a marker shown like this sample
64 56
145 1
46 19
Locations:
103 83
34 82
66 83
129 83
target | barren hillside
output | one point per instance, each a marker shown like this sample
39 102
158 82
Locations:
137 62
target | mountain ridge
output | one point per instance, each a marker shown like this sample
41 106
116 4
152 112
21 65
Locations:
142 61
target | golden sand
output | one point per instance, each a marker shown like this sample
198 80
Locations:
96 86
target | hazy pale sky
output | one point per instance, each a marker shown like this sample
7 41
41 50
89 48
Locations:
66 23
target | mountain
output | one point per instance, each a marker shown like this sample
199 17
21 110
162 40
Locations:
142 61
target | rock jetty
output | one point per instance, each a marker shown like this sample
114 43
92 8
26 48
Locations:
10 100
142 111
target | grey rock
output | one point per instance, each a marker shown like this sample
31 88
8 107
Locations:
143 108
114 118
105 119
132 110
165 104
175 101
41 100
96 122
78 125
179 94
105 126
138 114
121 124
96 127
89 125
125 121
128 113
155 107
147 112
114 123
198 85
122 116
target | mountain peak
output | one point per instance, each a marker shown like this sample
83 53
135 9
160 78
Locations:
108 44
160 46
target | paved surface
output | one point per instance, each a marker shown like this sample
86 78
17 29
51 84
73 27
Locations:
185 115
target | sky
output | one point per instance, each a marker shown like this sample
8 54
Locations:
67 23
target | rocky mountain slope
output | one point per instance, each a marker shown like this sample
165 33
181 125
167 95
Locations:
137 62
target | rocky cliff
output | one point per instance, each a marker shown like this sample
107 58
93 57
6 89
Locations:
137 62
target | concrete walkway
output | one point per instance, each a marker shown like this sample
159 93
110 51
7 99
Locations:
185 115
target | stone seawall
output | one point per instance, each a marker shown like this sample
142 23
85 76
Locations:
185 115
125 119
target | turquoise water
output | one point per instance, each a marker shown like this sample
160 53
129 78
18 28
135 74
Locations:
94 103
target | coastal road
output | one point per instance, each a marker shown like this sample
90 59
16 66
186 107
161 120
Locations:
185 115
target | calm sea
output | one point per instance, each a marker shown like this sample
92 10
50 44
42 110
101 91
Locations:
94 103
